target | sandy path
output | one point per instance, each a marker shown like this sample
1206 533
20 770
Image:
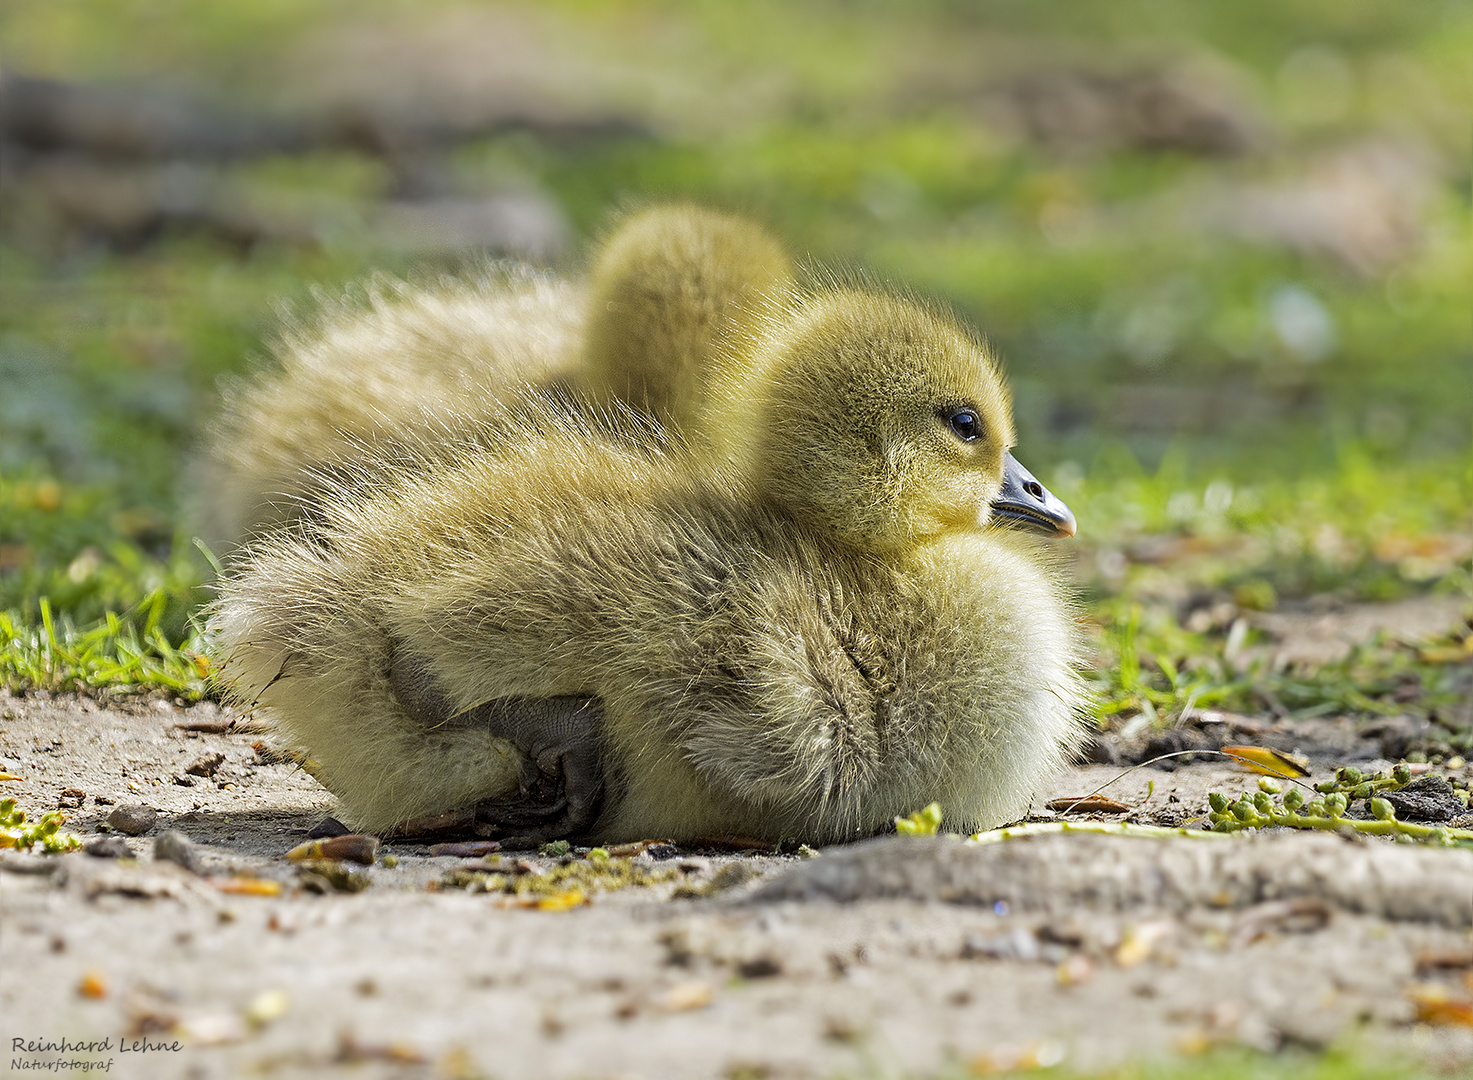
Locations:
401 981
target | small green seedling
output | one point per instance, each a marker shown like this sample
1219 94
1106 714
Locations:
922 823
15 833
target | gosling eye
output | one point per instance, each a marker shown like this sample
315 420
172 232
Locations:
965 424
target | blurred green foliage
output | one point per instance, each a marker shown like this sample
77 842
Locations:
1297 423
1223 1062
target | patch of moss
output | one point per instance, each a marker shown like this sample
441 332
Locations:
584 875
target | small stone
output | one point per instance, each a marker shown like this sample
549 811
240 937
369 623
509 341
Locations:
328 827
760 967
71 799
468 849
177 848
1430 799
109 847
134 820
206 765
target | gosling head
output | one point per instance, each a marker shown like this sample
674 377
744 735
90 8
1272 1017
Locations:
885 423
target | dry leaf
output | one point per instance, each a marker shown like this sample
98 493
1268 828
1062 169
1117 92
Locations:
1437 1005
354 847
247 886
563 901
1260 759
1089 804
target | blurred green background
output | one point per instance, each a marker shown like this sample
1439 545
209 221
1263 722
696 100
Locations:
1223 249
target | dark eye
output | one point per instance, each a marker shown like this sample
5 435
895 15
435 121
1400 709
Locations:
965 424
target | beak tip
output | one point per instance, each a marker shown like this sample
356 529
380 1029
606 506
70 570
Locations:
1026 503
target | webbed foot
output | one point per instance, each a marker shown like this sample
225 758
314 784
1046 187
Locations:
562 789
562 783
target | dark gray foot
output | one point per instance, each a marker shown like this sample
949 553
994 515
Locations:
562 782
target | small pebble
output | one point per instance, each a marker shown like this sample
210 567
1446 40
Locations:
468 849
206 765
109 847
327 827
133 820
760 967
177 848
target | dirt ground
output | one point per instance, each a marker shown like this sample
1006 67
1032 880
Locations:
900 956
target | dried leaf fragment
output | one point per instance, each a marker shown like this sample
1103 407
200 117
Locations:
354 847
561 901
1437 1005
636 847
1089 804
247 886
1260 759
205 727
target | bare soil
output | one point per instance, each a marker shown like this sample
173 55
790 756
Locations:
895 957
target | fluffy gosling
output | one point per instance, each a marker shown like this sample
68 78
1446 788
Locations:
589 636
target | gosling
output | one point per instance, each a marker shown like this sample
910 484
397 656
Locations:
590 637
670 289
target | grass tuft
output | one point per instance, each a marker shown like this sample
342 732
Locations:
131 651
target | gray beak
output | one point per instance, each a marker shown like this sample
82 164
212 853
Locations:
1026 504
